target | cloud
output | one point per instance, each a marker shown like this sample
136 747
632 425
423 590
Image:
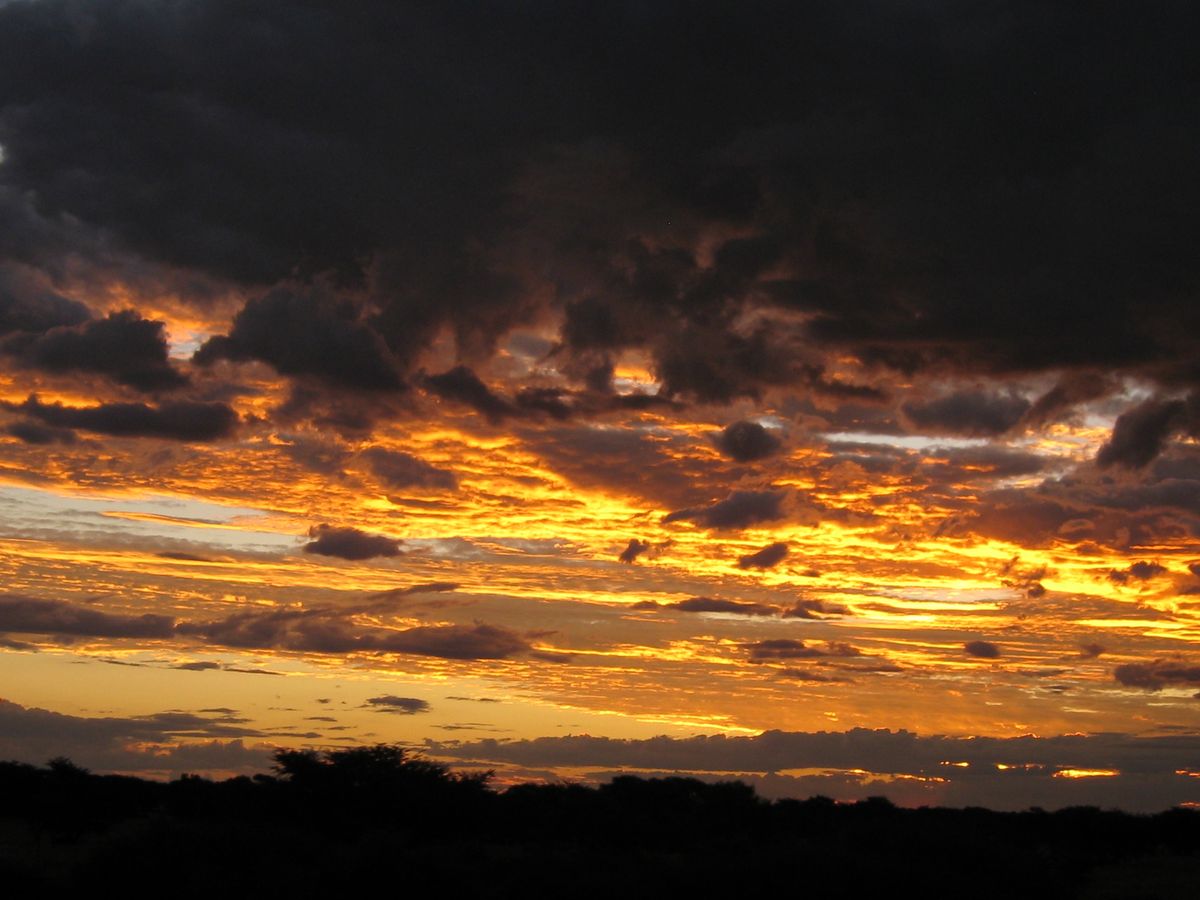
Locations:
172 742
1141 434
808 675
741 509
332 631
739 245
971 413
1158 674
124 346
1145 766
308 332
633 550
788 648
768 556
40 435
350 543
28 615
813 609
397 469
29 305
476 641
746 442
404 706
182 420
1072 389
982 649
461 385
1141 571
715 605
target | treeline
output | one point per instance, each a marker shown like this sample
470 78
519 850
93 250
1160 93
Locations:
347 819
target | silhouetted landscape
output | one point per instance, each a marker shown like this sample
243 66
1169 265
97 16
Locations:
351 819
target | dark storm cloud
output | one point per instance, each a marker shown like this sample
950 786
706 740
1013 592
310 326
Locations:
969 463
1162 502
397 469
404 706
350 543
182 420
308 332
771 555
1158 674
746 441
33 433
461 385
741 509
1072 390
971 413
29 306
937 189
982 649
27 615
1141 434
129 349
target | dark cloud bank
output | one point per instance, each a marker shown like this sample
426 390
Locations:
972 191
329 630
1150 771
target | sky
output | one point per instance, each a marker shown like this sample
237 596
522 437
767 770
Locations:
803 393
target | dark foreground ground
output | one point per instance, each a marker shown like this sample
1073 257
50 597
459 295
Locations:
375 818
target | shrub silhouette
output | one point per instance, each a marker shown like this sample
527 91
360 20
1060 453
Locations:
326 821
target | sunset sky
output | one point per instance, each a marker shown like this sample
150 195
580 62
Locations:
806 393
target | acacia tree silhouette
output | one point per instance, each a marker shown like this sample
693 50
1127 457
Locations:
381 783
375 767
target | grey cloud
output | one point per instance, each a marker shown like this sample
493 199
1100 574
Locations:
1140 434
405 706
813 609
350 543
29 305
327 630
973 413
771 555
1158 674
308 332
982 649
1146 765
746 442
788 648
110 743
741 509
124 346
28 615
182 420
633 550
397 469
1140 571
716 605
38 434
